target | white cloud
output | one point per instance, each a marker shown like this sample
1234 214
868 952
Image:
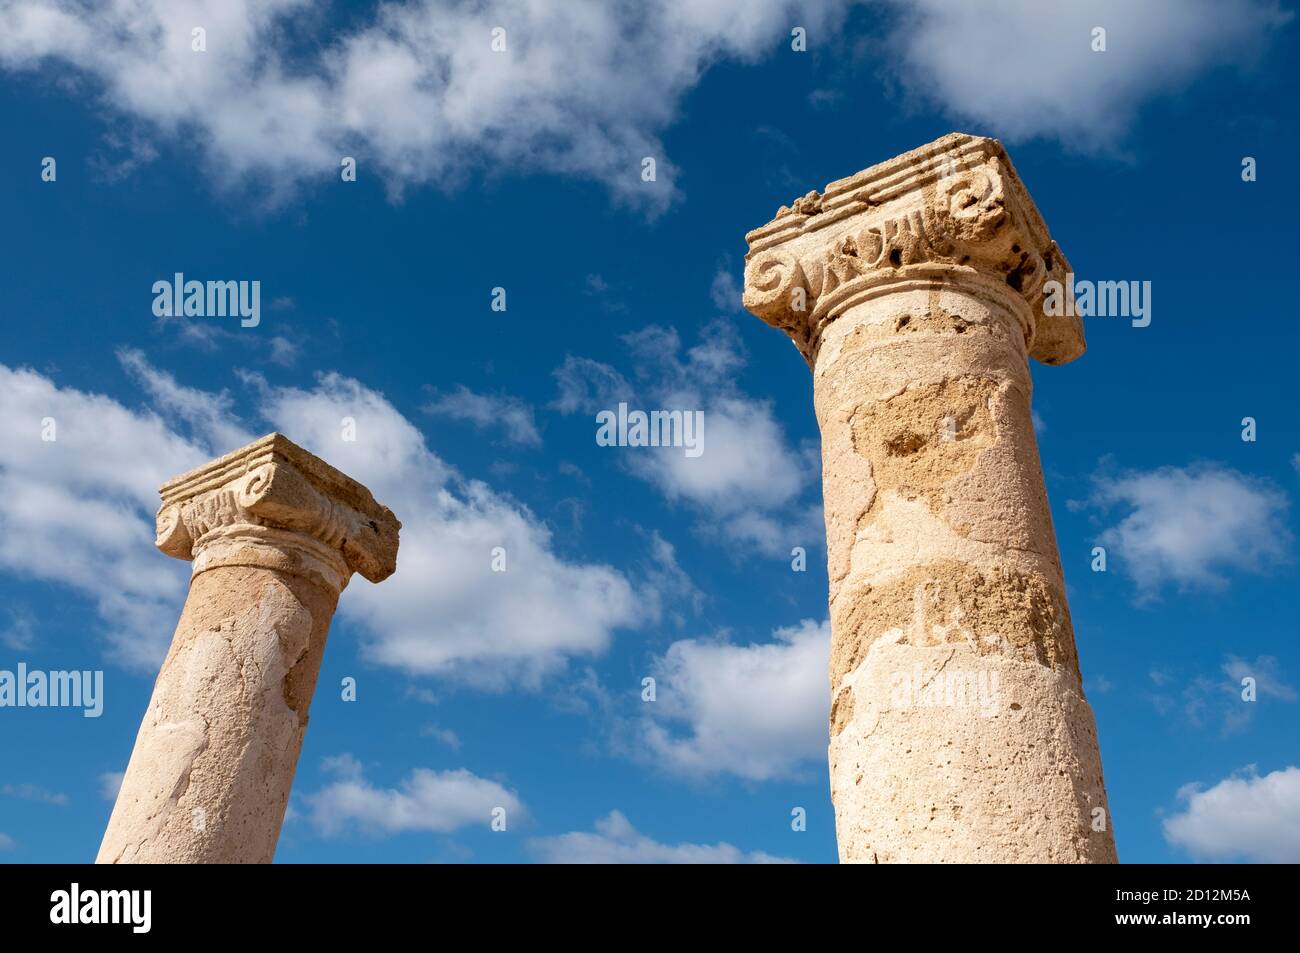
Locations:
1191 526
1243 817
79 510
824 98
616 841
437 801
34 792
1099 684
1020 69
444 735
484 411
283 351
588 387
18 634
110 782
585 88
1267 675
746 483
415 91
672 587
1217 700
746 466
210 416
755 711
724 292
7 842
775 534
596 287
445 611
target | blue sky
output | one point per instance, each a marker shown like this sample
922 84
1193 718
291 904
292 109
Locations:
522 170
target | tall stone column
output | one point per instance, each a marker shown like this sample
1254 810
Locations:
959 729
274 534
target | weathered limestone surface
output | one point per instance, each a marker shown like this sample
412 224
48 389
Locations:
959 729
274 534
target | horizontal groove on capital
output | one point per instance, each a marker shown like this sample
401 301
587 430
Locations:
274 482
949 208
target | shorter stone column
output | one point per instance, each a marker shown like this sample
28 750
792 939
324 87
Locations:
274 534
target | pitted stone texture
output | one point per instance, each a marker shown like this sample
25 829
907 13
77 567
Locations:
941 548
1010 777
996 611
913 289
216 753
274 534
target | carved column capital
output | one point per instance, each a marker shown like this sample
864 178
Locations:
274 534
953 212
273 504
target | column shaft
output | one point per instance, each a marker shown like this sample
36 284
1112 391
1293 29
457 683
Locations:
215 757
959 731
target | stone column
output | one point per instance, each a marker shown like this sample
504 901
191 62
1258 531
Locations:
274 534
959 729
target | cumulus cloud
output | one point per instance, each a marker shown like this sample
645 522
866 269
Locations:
110 782
599 290
725 290
1191 526
79 510
414 90
1265 670
1217 700
446 611
7 842
746 466
1021 69
436 801
34 792
754 711
19 633
210 416
673 589
444 735
588 387
747 483
616 841
1243 817
486 412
